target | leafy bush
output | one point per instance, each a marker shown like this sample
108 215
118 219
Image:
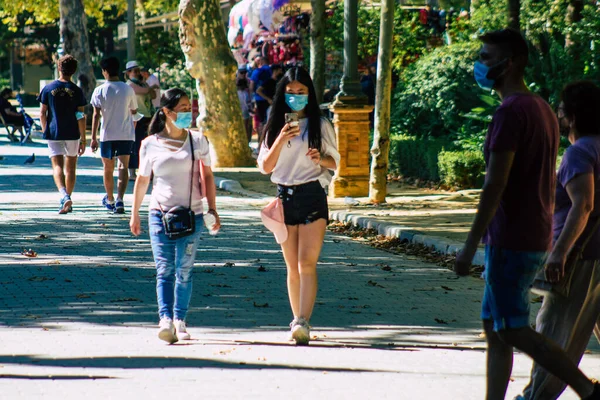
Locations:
416 157
462 169
435 91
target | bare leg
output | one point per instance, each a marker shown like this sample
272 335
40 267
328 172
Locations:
70 173
109 180
290 254
58 172
550 356
123 176
310 242
499 363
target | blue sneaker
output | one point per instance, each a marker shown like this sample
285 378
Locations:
110 206
65 205
119 207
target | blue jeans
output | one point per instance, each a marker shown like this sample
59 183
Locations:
174 262
508 277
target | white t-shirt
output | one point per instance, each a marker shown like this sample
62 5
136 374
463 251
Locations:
171 168
151 81
293 166
115 100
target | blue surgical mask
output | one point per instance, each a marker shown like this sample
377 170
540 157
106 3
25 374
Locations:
296 102
184 120
79 115
482 74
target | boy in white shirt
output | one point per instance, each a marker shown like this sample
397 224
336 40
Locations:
114 102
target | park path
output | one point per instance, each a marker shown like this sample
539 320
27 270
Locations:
80 318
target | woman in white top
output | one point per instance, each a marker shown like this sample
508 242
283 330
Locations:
299 156
167 155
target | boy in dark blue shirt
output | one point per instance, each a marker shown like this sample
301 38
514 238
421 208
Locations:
63 123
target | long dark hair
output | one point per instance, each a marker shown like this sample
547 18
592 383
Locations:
279 108
169 100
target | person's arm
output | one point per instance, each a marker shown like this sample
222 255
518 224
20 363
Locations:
581 192
139 191
43 116
496 178
211 194
140 90
261 92
95 125
269 161
12 113
81 123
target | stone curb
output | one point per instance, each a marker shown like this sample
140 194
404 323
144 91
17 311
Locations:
234 187
439 244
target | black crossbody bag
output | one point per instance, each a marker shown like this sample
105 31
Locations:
180 221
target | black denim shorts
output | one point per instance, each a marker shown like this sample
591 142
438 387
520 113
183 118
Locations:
303 204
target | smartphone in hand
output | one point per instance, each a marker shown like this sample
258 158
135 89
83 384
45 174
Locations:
291 119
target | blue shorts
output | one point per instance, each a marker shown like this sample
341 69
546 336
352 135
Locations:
114 148
508 277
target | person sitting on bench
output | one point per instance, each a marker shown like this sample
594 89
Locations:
10 115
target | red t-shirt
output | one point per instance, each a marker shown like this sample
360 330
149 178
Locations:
526 125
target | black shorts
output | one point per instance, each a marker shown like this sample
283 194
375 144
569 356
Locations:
115 148
303 204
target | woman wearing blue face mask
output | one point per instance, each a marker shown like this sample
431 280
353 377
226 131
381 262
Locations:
171 153
299 156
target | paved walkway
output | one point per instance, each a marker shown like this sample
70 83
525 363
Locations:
80 318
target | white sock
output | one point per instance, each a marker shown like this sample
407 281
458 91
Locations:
63 192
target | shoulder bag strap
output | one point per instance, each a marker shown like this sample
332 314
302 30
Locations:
191 138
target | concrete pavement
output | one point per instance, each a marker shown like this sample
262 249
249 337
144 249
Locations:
80 318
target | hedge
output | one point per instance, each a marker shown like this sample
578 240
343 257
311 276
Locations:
462 169
416 157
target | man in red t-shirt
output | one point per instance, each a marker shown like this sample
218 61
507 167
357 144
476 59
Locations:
515 216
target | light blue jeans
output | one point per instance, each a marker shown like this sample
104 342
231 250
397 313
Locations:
174 260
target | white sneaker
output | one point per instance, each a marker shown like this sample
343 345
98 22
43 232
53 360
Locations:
180 328
166 330
300 331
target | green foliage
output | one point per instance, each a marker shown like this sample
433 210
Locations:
409 35
488 15
435 91
416 157
462 169
156 47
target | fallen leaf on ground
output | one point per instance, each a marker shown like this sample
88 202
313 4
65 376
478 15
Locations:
229 264
29 253
55 262
125 269
262 269
386 268
208 270
42 237
265 305
440 321
447 288
124 299
40 279
373 283
83 296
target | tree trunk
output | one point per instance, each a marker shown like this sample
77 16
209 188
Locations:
209 60
514 11
73 32
317 47
573 16
383 95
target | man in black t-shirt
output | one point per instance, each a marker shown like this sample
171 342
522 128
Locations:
269 87
63 123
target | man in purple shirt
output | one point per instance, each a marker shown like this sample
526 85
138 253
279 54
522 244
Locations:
515 216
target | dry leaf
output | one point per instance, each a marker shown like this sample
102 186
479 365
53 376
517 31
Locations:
29 253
